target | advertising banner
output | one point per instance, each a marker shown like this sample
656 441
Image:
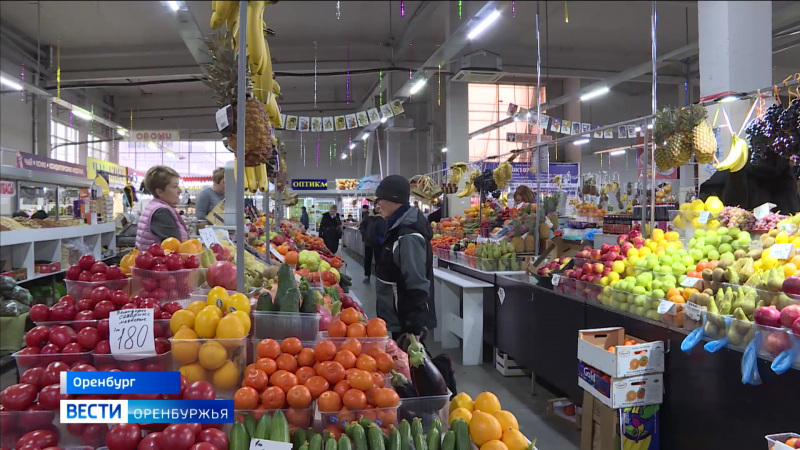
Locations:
42 164
117 175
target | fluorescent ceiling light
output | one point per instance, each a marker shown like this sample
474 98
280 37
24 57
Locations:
11 83
122 131
174 5
417 86
638 129
481 27
444 149
617 152
384 119
650 126
477 136
581 141
728 99
365 136
81 114
344 155
152 145
595 94
352 146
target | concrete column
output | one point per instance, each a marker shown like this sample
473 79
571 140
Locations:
457 122
735 40
572 111
42 130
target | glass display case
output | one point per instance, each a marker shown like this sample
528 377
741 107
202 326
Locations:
35 197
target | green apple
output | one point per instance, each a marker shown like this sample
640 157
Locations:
665 269
639 311
726 239
665 260
701 242
644 278
640 300
696 254
678 268
721 231
725 248
632 308
670 278
658 293
728 255
734 232
615 304
669 251
667 284
708 249
639 290
710 233
736 245
712 240
713 255
699 233
687 260
656 284
744 239
651 263
692 242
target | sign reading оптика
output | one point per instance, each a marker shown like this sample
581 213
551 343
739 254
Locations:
309 185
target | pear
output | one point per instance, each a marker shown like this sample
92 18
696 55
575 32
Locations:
775 282
743 325
747 270
731 276
753 281
783 301
712 306
734 338
748 305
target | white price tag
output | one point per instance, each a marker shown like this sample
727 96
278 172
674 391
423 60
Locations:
665 306
704 215
276 253
693 311
690 281
131 334
208 236
556 279
501 293
482 240
762 211
780 251
756 244
264 444
222 118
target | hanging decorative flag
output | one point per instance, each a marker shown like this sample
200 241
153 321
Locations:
380 87
459 9
58 72
91 125
348 72
303 149
439 82
338 11
330 154
402 8
315 73
22 75
513 10
317 163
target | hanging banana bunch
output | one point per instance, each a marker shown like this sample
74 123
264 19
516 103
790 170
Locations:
469 189
502 174
457 171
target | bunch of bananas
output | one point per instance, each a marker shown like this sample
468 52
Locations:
737 157
502 174
469 188
457 171
255 177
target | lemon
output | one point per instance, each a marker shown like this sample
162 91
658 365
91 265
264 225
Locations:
506 419
462 400
484 427
218 297
515 440
216 310
713 204
238 302
185 346
460 413
193 372
196 306
494 444
206 323
226 377
244 318
230 327
212 355
487 402
782 238
182 317
658 234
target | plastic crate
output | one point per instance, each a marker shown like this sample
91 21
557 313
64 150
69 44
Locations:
133 362
185 352
301 418
776 441
426 408
13 424
83 289
383 417
165 286
280 325
25 362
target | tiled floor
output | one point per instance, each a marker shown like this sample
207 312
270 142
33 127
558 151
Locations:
514 392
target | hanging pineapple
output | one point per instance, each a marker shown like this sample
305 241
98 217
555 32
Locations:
703 139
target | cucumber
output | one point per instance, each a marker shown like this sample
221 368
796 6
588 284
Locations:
310 434
419 442
436 423
405 435
364 422
416 428
262 427
250 425
356 432
298 439
315 443
375 438
304 446
459 426
344 442
394 439
433 439
279 428
330 443
326 435
449 441
239 438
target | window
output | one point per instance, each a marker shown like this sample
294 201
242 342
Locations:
99 150
488 103
64 134
188 158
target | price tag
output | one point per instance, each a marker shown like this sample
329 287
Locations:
665 306
208 236
264 444
501 293
704 215
222 118
690 281
756 244
556 279
780 251
482 240
762 211
276 253
693 311
131 334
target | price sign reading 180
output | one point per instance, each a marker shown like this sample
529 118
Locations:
131 334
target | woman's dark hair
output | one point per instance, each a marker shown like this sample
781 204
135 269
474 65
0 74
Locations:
20 214
40 214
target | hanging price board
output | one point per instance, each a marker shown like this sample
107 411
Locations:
131 334
761 211
781 251
208 236
704 215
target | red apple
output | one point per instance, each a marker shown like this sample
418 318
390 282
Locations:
595 255
777 342
796 328
768 316
605 248
791 285
638 242
622 238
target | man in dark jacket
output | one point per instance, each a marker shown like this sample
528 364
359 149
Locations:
304 217
373 229
404 262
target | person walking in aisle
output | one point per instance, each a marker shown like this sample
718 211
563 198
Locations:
373 229
404 261
304 217
208 198
330 229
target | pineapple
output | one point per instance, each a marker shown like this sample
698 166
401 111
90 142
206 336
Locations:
703 140
223 79
516 241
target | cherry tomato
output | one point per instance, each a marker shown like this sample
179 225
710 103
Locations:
214 436
150 442
177 436
38 438
124 436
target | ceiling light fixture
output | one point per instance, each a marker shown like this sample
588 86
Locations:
595 94
728 99
481 27
650 126
617 152
384 119
352 146
344 155
637 129
122 131
174 5
444 149
417 86
11 83
582 141
365 136
477 136
81 114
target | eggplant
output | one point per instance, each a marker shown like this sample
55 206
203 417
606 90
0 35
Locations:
427 378
403 386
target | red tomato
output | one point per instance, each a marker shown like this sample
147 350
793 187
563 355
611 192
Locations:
52 372
39 313
86 261
150 442
17 397
88 337
214 436
94 435
119 297
37 336
61 335
204 446
123 436
33 376
177 436
37 420
50 397
98 277
73 272
199 390
38 438
103 309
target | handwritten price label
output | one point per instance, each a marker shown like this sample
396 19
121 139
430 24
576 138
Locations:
264 444
556 279
690 281
704 215
665 306
208 236
131 334
780 251
693 311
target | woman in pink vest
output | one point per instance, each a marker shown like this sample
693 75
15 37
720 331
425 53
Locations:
160 220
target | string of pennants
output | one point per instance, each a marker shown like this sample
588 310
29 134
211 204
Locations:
339 123
569 127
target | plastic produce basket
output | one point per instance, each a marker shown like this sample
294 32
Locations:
13 424
199 359
83 289
25 362
383 417
165 286
279 325
776 441
297 417
772 341
134 363
426 408
76 325
252 347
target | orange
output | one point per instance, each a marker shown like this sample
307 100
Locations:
268 365
349 316
304 373
386 398
366 362
291 258
256 379
352 344
346 358
317 385
299 396
634 364
494 444
337 329
283 379
333 372
484 427
268 348
245 398
376 327
170 244
342 387
273 397
325 351
515 440
287 362
356 330
306 357
291 345
378 379
283 250
329 401
385 362
361 379
488 403
354 400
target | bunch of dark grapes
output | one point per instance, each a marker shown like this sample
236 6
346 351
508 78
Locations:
762 133
787 143
485 181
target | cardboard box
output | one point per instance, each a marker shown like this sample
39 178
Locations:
556 408
640 426
621 392
47 268
16 274
599 425
507 366
626 361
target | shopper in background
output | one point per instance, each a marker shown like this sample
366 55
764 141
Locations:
373 229
404 262
160 219
350 218
364 215
208 198
40 214
435 216
304 217
523 194
330 229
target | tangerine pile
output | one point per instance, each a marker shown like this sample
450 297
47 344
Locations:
349 324
343 379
